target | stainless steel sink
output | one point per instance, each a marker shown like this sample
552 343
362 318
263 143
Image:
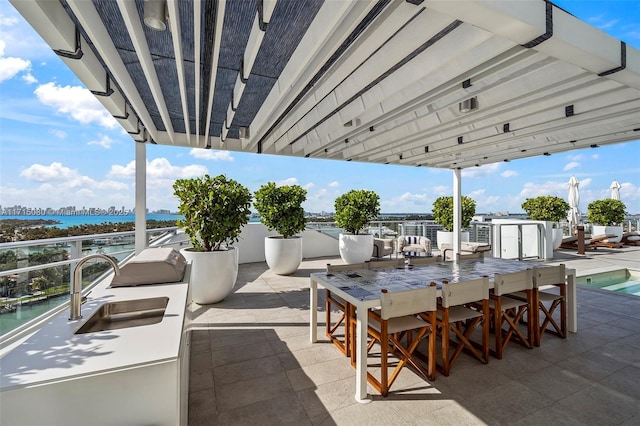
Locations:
125 314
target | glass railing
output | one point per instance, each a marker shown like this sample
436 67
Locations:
478 231
36 275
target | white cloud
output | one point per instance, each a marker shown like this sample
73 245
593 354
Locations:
287 182
20 38
483 202
334 184
320 200
29 79
76 102
10 67
595 156
211 154
105 142
407 202
577 157
53 172
158 169
309 186
532 190
440 190
603 22
484 170
571 165
8 21
60 134
509 173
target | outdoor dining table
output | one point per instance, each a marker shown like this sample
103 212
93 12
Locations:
362 288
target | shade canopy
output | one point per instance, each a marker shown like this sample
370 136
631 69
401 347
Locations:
447 84
615 190
574 201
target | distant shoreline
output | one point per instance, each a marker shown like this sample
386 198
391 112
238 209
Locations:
76 220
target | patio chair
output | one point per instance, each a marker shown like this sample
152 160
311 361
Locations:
455 315
410 245
402 314
382 247
509 311
345 310
549 278
549 293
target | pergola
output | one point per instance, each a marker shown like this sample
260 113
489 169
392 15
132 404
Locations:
422 83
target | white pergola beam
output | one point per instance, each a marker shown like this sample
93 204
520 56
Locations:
176 32
90 20
131 19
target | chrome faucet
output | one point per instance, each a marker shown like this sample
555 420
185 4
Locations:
76 300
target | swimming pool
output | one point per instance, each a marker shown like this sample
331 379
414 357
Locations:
622 280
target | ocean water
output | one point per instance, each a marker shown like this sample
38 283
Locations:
68 221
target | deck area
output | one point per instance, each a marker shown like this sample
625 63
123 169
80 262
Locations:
252 363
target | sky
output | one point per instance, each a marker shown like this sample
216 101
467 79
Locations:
59 146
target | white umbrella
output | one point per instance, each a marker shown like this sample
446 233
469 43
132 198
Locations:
574 200
615 190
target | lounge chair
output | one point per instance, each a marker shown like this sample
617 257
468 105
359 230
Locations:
410 245
382 247
589 242
466 249
631 238
609 244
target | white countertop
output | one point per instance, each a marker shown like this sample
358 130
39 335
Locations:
55 353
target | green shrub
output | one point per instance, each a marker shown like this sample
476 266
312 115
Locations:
355 209
547 208
214 210
443 211
606 212
280 208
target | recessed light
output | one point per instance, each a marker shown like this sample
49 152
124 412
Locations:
468 105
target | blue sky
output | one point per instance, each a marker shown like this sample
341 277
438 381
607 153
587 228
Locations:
59 147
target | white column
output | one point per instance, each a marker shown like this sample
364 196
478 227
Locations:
313 309
457 211
141 197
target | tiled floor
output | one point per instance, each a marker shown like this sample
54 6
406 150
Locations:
252 364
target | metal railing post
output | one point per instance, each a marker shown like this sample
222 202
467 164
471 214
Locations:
519 242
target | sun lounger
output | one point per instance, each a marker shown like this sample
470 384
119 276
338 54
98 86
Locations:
609 244
466 248
589 242
631 238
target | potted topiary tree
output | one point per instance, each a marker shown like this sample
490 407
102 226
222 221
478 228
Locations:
607 216
354 211
443 215
214 210
280 209
548 208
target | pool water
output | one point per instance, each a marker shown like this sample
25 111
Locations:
622 281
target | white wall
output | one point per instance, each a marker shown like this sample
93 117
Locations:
314 243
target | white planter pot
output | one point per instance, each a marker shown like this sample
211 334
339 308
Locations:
355 248
446 237
616 230
283 255
213 274
557 238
